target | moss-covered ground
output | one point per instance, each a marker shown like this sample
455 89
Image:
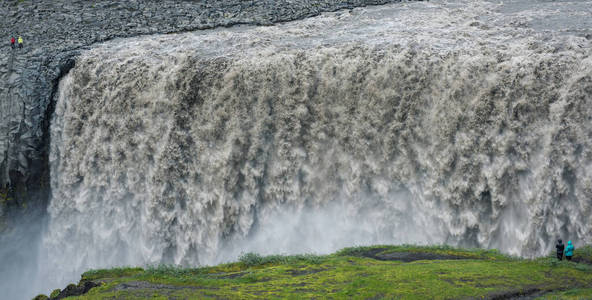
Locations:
378 272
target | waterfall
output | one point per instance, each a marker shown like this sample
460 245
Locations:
379 125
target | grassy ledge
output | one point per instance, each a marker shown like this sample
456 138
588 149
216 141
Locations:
376 272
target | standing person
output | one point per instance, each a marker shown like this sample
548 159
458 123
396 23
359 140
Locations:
569 250
12 41
20 42
560 246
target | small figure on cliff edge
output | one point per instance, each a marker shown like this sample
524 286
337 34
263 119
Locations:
20 42
560 246
569 250
12 41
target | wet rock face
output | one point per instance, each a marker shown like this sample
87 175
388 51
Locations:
54 31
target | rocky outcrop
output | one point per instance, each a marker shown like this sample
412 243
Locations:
76 290
71 290
54 33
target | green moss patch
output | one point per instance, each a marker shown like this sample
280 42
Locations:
55 293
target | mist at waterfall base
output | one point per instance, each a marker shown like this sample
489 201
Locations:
421 123
18 251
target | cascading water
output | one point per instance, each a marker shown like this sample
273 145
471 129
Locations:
418 123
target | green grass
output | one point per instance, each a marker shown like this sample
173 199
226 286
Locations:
584 253
492 254
254 259
111 273
349 274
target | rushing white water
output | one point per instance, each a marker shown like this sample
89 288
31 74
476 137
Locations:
414 123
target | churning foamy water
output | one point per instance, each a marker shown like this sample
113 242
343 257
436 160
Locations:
420 123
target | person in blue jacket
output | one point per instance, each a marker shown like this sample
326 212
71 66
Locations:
569 250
